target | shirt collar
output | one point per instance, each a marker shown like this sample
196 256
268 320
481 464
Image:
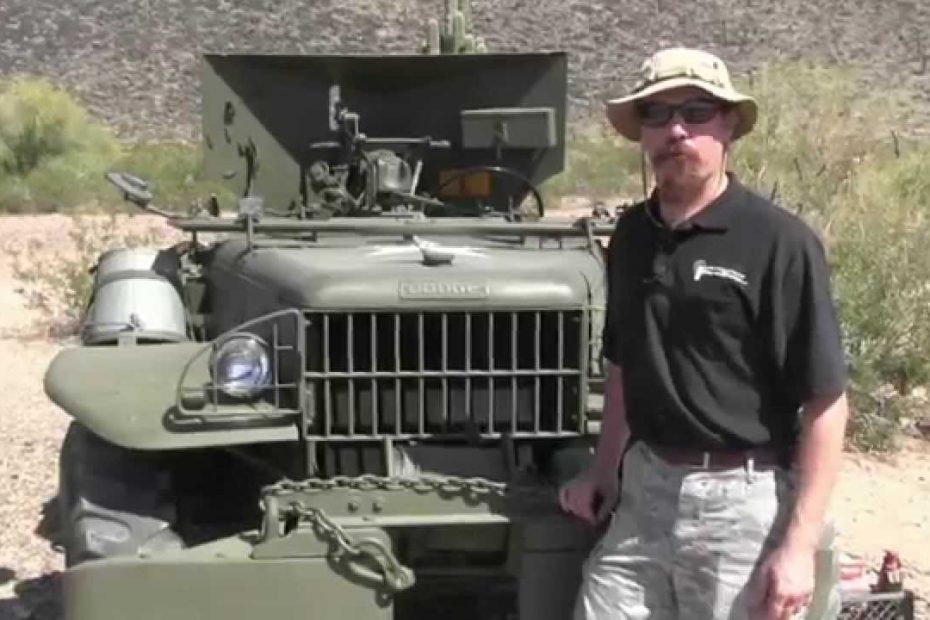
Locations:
715 217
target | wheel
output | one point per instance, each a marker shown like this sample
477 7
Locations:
112 501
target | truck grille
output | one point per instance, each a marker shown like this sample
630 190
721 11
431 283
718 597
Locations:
444 374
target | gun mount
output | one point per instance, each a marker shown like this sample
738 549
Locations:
360 136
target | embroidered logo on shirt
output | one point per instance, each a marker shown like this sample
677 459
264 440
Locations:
701 269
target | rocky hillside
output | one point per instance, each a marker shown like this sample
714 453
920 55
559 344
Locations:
135 62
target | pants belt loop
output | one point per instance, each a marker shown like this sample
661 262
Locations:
750 467
706 462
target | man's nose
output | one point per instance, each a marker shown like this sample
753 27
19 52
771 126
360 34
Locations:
676 128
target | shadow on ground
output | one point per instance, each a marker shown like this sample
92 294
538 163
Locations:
38 598
35 599
49 524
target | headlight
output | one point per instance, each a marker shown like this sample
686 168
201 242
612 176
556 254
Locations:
241 366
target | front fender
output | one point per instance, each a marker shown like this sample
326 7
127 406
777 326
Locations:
127 395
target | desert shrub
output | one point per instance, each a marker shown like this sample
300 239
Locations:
52 153
39 122
817 127
53 157
598 165
175 173
880 252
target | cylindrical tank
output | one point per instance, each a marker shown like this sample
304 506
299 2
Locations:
135 290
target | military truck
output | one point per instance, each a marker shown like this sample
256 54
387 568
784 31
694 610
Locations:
354 392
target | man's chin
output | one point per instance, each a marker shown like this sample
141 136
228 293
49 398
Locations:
680 180
679 174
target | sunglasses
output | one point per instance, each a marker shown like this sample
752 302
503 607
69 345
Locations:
693 111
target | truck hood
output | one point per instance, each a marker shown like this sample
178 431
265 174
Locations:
389 273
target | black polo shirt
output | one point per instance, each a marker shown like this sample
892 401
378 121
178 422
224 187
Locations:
723 326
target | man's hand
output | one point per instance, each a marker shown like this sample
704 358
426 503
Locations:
785 583
786 580
591 496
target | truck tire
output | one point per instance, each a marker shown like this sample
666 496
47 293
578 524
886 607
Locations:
112 501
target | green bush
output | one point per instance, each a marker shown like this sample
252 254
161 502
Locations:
53 156
880 252
598 165
817 126
52 153
175 174
39 122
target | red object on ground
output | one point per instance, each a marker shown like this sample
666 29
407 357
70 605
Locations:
889 575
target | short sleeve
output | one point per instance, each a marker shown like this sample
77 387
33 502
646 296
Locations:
807 330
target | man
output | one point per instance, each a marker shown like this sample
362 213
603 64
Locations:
725 392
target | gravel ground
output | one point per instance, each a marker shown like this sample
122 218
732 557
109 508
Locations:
881 503
31 428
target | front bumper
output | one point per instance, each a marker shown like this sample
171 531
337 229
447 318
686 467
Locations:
298 578
213 582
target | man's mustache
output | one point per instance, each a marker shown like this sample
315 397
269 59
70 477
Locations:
673 149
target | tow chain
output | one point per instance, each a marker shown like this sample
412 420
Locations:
422 483
394 575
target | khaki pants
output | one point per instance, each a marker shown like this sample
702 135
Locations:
684 542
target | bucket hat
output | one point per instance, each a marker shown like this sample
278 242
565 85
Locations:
673 68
